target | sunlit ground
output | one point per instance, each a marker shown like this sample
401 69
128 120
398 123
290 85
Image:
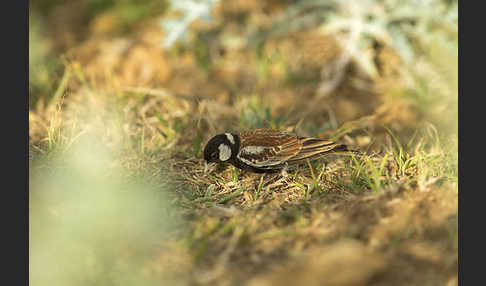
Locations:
124 95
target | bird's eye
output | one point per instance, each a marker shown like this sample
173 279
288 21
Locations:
214 155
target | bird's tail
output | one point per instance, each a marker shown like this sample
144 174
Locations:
342 149
313 148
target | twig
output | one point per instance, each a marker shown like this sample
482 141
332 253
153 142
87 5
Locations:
153 92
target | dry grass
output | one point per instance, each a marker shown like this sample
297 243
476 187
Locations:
386 218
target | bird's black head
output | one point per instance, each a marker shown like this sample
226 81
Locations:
220 148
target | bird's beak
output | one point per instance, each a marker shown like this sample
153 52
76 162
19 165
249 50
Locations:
207 166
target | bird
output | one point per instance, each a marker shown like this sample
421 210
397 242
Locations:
266 150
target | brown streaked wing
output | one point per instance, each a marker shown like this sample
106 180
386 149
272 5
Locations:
266 147
312 148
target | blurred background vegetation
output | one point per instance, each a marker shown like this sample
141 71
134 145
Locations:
151 81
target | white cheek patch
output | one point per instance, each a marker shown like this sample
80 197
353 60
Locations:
230 138
224 152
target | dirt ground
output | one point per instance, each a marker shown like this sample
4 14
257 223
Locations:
389 218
